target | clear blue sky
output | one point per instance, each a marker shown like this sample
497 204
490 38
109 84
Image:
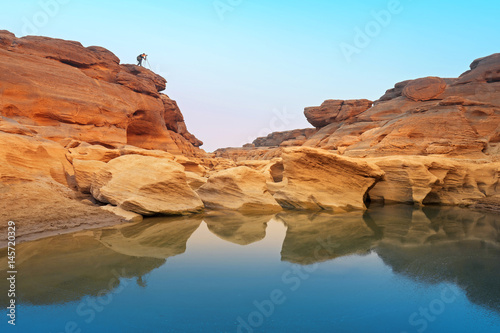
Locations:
236 70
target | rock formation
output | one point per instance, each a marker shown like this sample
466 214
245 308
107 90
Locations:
145 185
321 180
335 111
452 117
63 91
287 138
79 131
240 188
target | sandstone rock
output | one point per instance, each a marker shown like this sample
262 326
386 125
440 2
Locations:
125 215
174 120
191 165
96 101
88 152
335 111
25 158
435 180
84 173
276 139
406 180
195 181
320 180
146 185
45 208
13 127
485 69
239 188
244 154
428 116
395 92
424 89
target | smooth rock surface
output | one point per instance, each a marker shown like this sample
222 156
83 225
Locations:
146 185
240 188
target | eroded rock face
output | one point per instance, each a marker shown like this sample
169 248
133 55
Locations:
320 180
61 90
145 185
434 180
428 116
240 188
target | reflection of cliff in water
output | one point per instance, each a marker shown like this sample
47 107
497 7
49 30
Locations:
315 237
154 238
430 244
67 267
455 245
238 228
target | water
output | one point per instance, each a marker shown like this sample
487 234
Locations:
390 269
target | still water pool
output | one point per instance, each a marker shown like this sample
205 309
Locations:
390 269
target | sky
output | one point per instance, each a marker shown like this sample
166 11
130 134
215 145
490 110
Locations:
240 69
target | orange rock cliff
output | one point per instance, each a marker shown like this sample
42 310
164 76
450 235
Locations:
86 141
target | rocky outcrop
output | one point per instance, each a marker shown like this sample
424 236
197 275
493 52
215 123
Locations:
145 185
428 116
320 180
433 180
240 188
244 154
335 111
285 139
63 91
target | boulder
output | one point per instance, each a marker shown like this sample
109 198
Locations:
240 188
146 185
335 111
321 180
84 173
424 89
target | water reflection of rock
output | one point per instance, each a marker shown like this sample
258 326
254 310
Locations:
238 228
154 238
410 225
67 267
471 264
430 244
314 237
443 244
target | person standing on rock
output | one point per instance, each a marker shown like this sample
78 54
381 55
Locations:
140 58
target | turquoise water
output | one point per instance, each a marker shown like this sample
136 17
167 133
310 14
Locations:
390 269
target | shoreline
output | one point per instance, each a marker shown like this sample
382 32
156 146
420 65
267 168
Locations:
488 205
